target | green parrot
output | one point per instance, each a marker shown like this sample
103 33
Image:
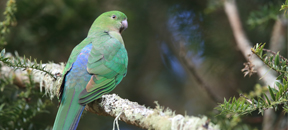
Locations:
95 67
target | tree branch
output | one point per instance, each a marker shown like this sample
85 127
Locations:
245 46
113 105
278 37
147 118
191 68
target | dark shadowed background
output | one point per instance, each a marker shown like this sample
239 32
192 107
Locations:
160 32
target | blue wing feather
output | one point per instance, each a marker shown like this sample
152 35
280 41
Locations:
76 79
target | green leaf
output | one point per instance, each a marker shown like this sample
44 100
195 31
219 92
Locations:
233 103
265 55
281 88
280 76
40 64
267 99
284 81
274 90
261 111
277 84
271 58
237 105
283 62
285 87
284 68
246 106
277 96
255 101
262 46
261 100
242 105
277 60
271 93
1 106
3 53
261 50
229 100
266 59
257 47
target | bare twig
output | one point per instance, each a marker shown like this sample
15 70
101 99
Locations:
176 47
191 67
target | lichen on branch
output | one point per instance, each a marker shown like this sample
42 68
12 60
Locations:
110 104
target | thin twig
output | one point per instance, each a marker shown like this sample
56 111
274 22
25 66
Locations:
192 70
271 67
248 100
274 53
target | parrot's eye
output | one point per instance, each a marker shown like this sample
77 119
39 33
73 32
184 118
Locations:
114 16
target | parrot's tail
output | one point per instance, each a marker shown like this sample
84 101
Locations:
68 114
76 121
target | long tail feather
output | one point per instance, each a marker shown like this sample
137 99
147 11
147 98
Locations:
69 113
77 121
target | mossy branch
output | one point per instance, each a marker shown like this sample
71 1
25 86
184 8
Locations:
146 118
17 62
17 69
111 104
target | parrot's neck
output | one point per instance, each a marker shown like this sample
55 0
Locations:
116 35
99 32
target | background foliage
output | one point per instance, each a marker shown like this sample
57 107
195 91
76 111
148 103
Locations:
158 31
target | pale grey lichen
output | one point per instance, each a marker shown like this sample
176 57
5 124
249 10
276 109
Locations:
49 83
147 118
46 82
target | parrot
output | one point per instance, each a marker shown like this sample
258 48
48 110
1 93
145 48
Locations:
95 67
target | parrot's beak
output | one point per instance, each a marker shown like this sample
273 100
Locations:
124 25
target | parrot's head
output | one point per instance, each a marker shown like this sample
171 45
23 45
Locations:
112 21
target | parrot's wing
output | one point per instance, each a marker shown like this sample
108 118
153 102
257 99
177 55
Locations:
73 56
107 63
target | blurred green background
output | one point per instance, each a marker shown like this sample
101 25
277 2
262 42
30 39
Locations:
49 29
